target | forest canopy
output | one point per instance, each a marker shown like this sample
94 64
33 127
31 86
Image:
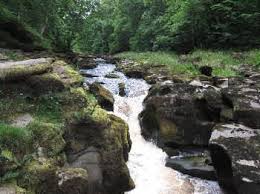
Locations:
111 26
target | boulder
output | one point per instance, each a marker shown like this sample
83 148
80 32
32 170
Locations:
112 76
122 91
242 96
135 73
45 176
85 62
180 114
101 143
235 152
104 96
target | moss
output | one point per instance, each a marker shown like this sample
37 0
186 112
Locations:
47 136
67 74
116 146
46 83
36 174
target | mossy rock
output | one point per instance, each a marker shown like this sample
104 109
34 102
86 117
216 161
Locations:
72 180
10 71
104 97
47 136
69 76
116 146
110 135
46 83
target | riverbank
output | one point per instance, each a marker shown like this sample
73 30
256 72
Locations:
54 136
223 63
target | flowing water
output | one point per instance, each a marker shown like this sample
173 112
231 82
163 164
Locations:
146 161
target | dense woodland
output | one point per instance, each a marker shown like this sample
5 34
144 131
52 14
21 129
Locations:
111 26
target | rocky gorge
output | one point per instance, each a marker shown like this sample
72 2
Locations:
64 140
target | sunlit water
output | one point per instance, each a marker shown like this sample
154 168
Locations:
146 161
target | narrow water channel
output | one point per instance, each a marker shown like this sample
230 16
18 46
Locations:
146 161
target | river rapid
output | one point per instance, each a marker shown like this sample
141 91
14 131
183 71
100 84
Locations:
146 161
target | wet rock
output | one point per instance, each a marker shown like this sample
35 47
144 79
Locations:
104 97
180 114
87 74
134 73
196 165
112 76
85 62
235 152
110 59
122 91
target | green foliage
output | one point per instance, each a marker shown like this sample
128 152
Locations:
111 26
59 21
179 25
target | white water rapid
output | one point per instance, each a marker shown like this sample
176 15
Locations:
146 161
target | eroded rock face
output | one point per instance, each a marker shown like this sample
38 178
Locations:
235 152
180 114
89 159
101 147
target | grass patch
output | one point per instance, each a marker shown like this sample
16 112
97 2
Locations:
14 138
224 63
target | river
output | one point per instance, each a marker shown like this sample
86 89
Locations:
146 161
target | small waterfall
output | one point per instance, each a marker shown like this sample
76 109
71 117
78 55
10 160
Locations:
146 161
